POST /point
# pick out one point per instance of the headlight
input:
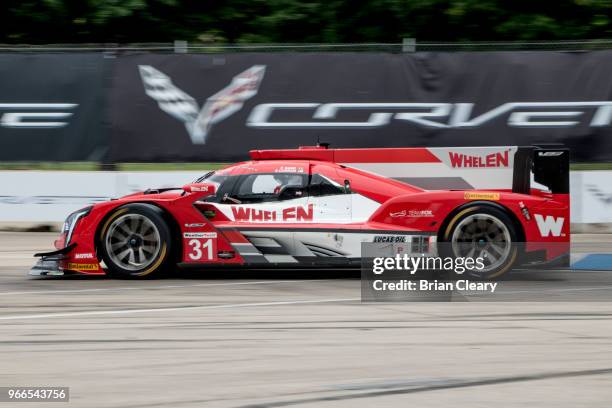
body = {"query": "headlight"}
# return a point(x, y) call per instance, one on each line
point(71, 222)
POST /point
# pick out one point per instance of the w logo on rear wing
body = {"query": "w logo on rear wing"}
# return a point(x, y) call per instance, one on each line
point(183, 107)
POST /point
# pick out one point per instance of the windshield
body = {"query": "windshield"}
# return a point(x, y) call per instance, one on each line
point(217, 179)
point(204, 177)
point(211, 177)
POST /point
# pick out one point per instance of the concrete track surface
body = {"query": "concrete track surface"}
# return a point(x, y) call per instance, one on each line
point(293, 340)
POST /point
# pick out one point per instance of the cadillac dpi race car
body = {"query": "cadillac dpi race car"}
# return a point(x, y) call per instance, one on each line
point(314, 207)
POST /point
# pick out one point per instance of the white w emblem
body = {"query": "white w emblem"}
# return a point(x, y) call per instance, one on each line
point(549, 225)
point(182, 106)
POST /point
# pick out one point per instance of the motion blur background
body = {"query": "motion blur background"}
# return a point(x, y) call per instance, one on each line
point(100, 98)
point(103, 98)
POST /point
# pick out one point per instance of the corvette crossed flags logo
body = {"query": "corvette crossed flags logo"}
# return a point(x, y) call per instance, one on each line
point(184, 107)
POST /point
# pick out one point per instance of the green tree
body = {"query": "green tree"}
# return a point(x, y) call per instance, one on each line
point(263, 21)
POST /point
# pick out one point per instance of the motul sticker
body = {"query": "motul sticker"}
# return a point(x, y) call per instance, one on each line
point(199, 235)
point(468, 195)
point(84, 256)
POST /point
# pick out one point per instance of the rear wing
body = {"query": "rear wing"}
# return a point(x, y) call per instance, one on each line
point(541, 166)
point(450, 168)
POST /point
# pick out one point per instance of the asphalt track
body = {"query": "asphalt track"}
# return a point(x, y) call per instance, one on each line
point(296, 339)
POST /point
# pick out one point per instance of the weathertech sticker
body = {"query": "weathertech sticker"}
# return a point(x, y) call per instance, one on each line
point(480, 196)
point(199, 235)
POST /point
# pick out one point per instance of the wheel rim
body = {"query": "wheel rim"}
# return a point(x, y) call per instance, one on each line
point(482, 236)
point(133, 242)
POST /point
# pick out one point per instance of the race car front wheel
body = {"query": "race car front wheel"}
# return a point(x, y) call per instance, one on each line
point(483, 232)
point(135, 241)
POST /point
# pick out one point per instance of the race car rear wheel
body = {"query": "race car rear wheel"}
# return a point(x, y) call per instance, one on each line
point(486, 232)
point(135, 241)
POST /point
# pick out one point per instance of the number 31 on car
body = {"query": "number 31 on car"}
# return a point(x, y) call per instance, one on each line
point(200, 246)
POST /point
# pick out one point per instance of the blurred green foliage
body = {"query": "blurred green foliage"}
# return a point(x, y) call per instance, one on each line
point(300, 21)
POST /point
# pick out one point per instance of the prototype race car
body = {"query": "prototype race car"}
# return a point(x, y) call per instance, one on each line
point(314, 207)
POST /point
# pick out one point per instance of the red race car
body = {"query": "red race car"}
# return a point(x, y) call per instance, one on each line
point(314, 207)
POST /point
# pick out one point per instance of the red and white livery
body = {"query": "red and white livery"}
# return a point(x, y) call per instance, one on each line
point(315, 206)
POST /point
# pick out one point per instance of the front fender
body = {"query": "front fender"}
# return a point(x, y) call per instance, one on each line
point(187, 219)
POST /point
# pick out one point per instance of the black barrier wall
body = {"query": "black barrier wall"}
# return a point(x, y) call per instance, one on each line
point(216, 107)
point(53, 107)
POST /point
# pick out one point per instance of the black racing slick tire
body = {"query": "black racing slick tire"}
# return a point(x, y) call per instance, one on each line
point(486, 232)
point(135, 241)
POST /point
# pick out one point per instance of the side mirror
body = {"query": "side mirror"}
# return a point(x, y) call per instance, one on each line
point(347, 186)
point(200, 188)
point(289, 192)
